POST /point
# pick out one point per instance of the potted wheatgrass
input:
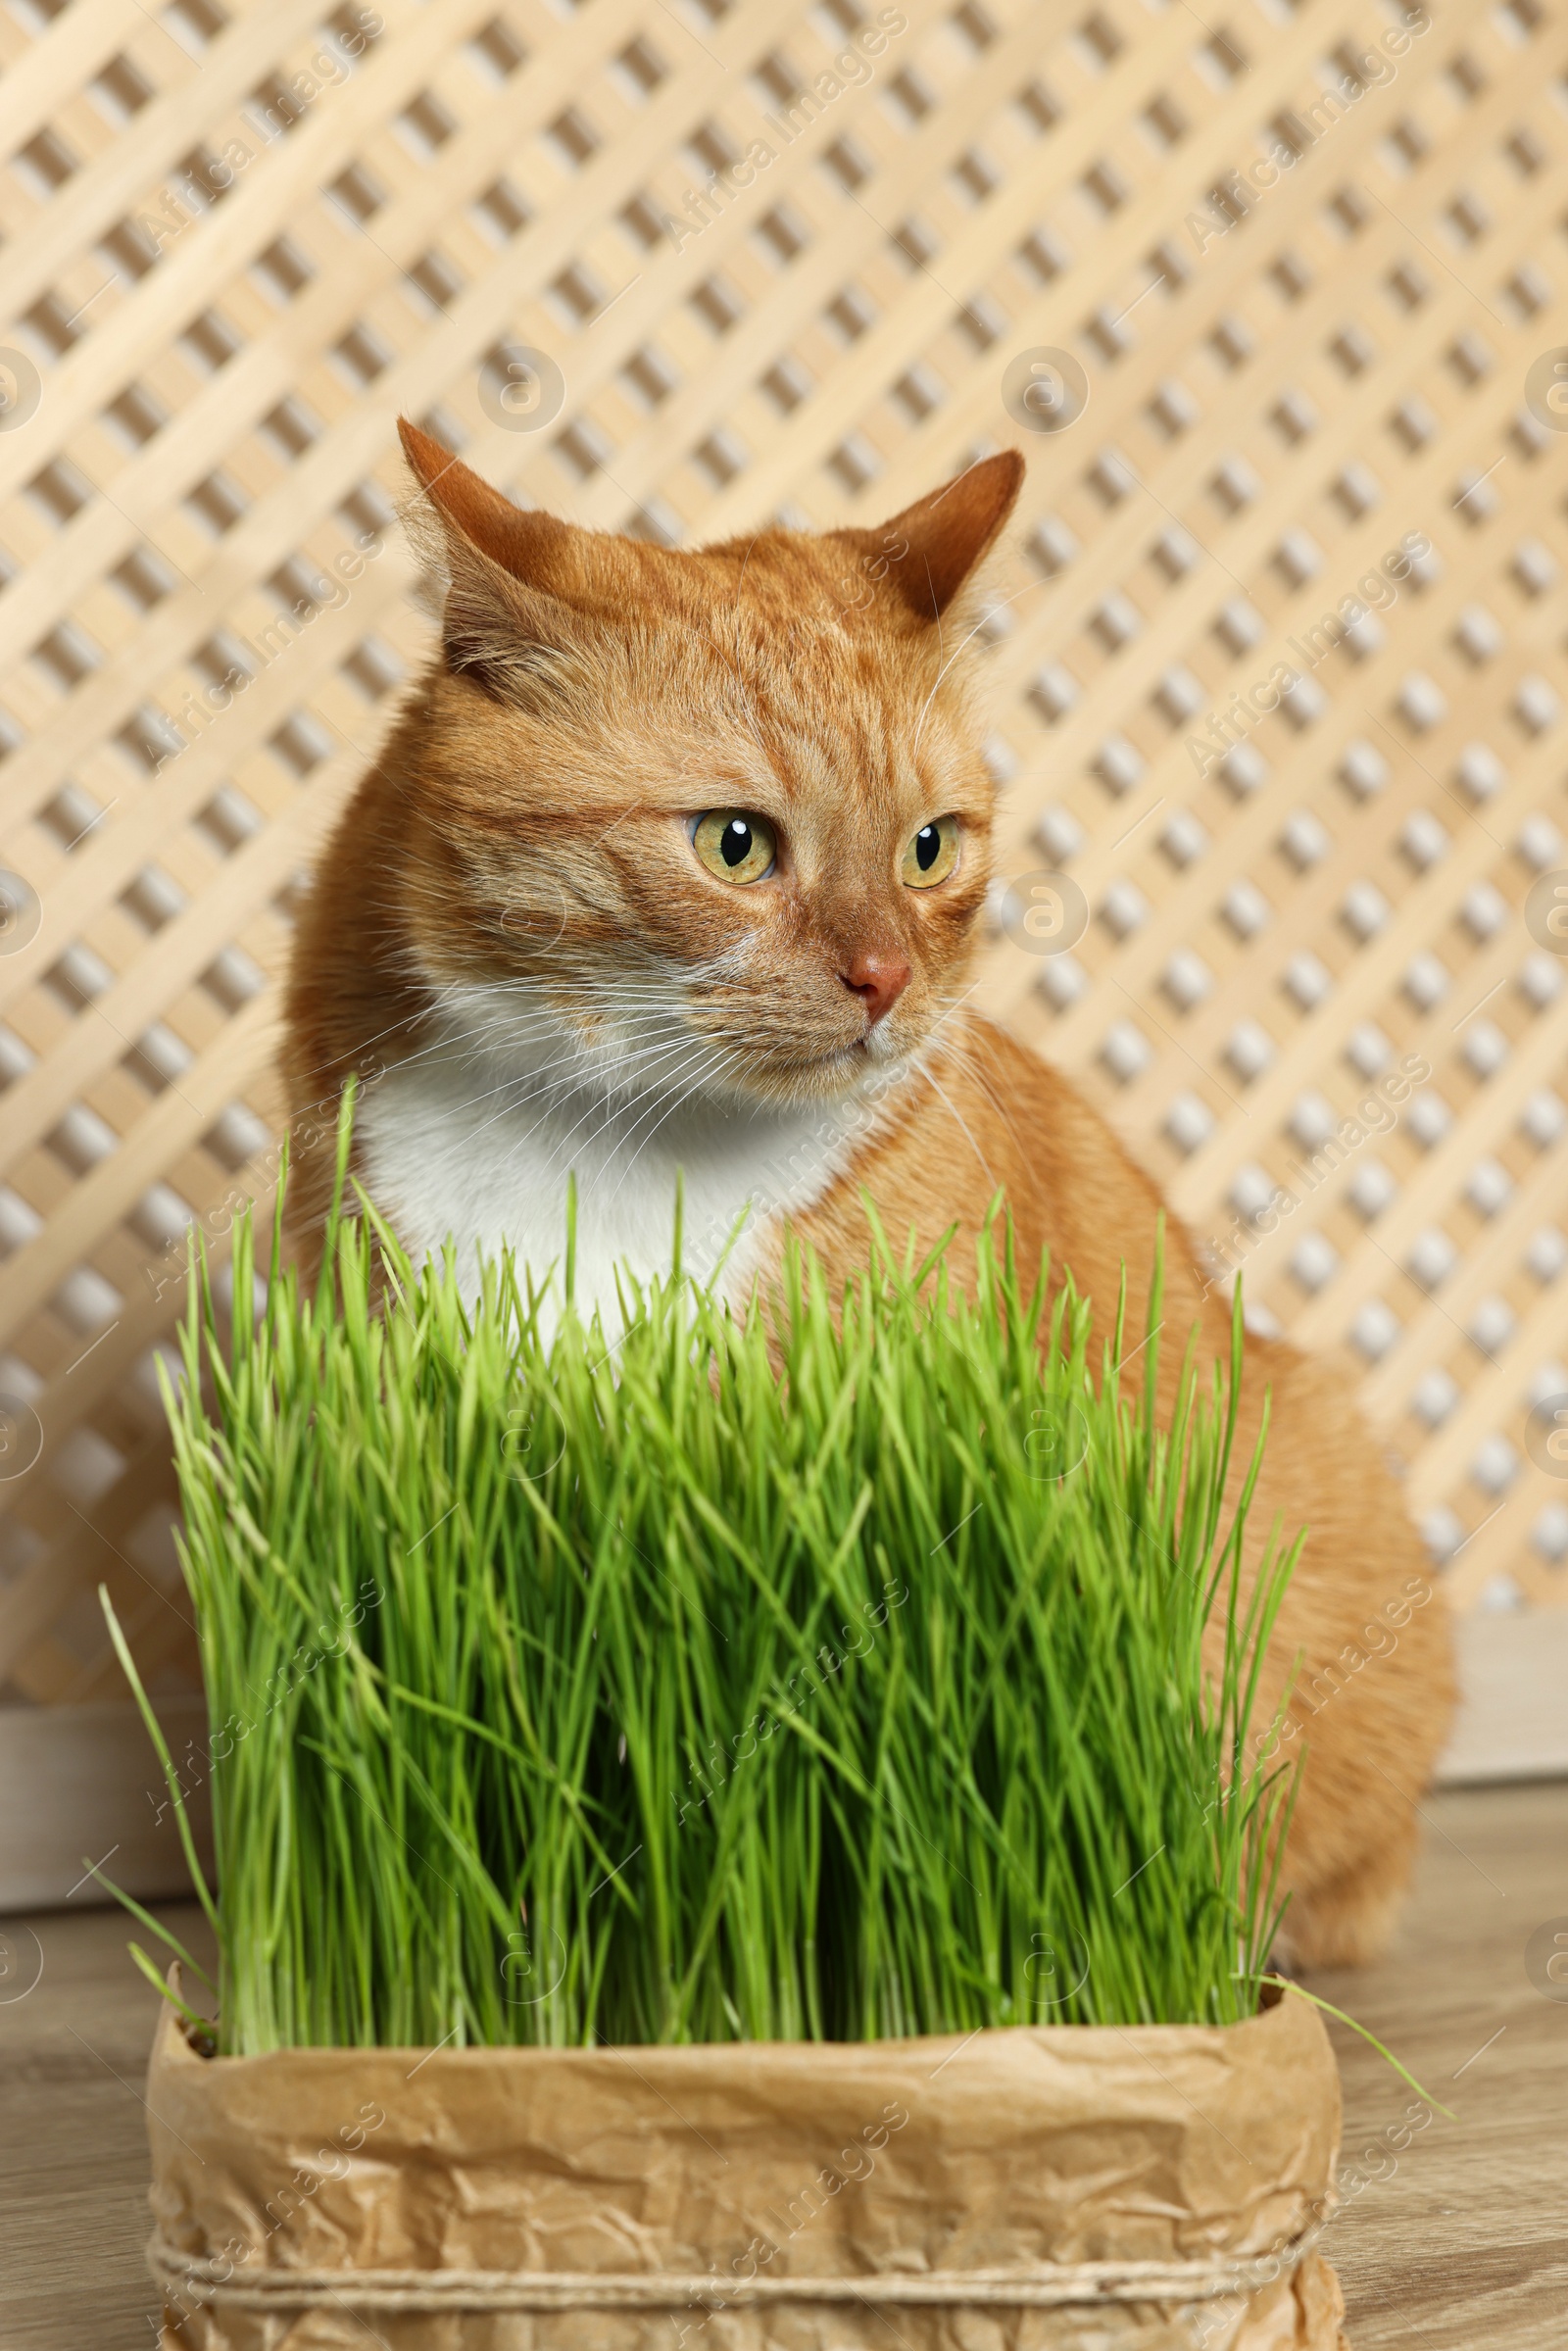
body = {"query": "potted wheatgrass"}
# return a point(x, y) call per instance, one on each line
point(725, 1836)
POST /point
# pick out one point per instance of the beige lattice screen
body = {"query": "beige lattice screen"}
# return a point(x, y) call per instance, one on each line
point(238, 239)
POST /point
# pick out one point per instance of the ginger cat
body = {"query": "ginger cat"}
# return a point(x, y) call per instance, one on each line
point(673, 863)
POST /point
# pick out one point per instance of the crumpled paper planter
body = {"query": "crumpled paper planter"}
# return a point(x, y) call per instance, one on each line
point(1066, 2189)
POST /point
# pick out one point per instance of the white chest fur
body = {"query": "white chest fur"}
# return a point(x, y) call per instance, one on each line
point(460, 1145)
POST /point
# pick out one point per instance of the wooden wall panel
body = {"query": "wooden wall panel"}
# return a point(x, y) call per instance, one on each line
point(215, 298)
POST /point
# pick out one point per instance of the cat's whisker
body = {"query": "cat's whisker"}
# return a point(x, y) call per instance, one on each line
point(726, 1062)
point(574, 1139)
point(392, 1029)
point(563, 1089)
point(474, 1049)
point(959, 1121)
point(708, 1056)
point(663, 1061)
point(960, 1051)
point(999, 605)
point(458, 1049)
point(598, 1101)
point(967, 1065)
point(673, 1097)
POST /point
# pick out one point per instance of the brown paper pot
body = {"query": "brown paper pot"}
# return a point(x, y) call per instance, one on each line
point(1077, 2186)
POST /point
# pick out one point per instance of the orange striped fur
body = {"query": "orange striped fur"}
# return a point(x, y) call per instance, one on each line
point(514, 933)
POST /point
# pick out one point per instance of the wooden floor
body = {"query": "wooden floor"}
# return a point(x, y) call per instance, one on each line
point(1457, 2241)
point(1464, 2245)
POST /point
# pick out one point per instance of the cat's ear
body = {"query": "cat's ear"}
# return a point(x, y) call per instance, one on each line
point(925, 554)
point(493, 572)
point(530, 545)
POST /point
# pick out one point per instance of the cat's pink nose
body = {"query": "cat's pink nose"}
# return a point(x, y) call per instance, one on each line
point(878, 981)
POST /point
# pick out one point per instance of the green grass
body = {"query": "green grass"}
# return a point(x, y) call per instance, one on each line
point(831, 1681)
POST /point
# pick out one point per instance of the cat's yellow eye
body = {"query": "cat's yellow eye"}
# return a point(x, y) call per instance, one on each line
point(736, 845)
point(932, 853)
